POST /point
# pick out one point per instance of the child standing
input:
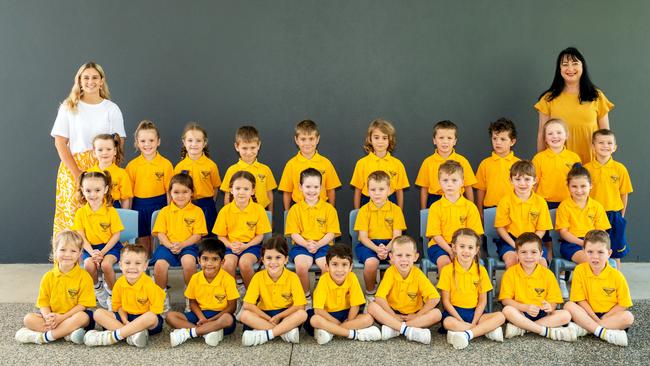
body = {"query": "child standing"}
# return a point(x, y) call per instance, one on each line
point(450, 213)
point(521, 211)
point(380, 143)
point(150, 174)
point(445, 136)
point(611, 187)
point(204, 172)
point(313, 224)
point(406, 300)
point(65, 293)
point(179, 226)
point(600, 296)
point(378, 223)
point(108, 151)
point(464, 287)
point(247, 144)
point(241, 226)
point(274, 304)
point(493, 174)
point(530, 294)
point(338, 299)
point(213, 296)
point(307, 138)
point(137, 305)
point(99, 225)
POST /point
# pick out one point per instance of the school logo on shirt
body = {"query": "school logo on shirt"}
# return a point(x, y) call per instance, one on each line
point(539, 291)
point(476, 283)
point(261, 177)
point(72, 293)
point(389, 221)
point(614, 178)
point(105, 226)
point(534, 215)
point(608, 291)
point(412, 295)
point(321, 221)
point(251, 225)
point(392, 173)
point(463, 220)
point(141, 300)
point(569, 165)
point(322, 172)
point(205, 174)
point(591, 216)
point(287, 296)
point(220, 297)
point(159, 176)
point(189, 221)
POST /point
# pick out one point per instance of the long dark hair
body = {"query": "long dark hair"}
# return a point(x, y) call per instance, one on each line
point(588, 91)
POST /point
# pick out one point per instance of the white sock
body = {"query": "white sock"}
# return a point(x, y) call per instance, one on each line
point(193, 333)
point(600, 332)
point(403, 329)
point(269, 334)
point(117, 335)
point(544, 332)
point(469, 335)
point(352, 334)
point(48, 336)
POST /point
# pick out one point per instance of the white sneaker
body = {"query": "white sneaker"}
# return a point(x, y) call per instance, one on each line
point(102, 296)
point(109, 297)
point(457, 339)
point(564, 290)
point(578, 330)
point(241, 289)
point(310, 302)
point(187, 305)
point(371, 333)
point(76, 337)
point(213, 338)
point(322, 336)
point(239, 309)
point(26, 335)
point(94, 338)
point(617, 337)
point(138, 339)
point(388, 332)
point(292, 336)
point(418, 335)
point(514, 331)
point(253, 338)
point(166, 306)
point(495, 335)
point(179, 336)
point(566, 334)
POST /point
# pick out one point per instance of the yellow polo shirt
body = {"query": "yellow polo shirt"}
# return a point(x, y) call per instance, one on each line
point(150, 178)
point(406, 295)
point(380, 222)
point(144, 295)
point(290, 180)
point(372, 163)
point(603, 291)
point(204, 173)
point(264, 180)
point(274, 295)
point(180, 223)
point(493, 177)
point(62, 291)
point(331, 297)
point(578, 220)
point(533, 289)
point(212, 295)
point(464, 286)
point(446, 217)
point(519, 216)
point(98, 226)
point(241, 225)
point(312, 222)
point(428, 174)
point(609, 181)
point(551, 170)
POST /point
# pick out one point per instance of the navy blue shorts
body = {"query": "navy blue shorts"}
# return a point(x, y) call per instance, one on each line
point(364, 253)
point(434, 252)
point(297, 250)
point(433, 198)
point(256, 250)
point(599, 315)
point(192, 318)
point(467, 314)
point(539, 316)
point(341, 316)
point(365, 199)
point(115, 251)
point(617, 234)
point(209, 209)
point(267, 312)
point(503, 248)
point(174, 260)
point(132, 317)
point(567, 250)
point(117, 204)
point(146, 207)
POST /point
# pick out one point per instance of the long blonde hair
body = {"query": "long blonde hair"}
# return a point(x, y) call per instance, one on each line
point(76, 93)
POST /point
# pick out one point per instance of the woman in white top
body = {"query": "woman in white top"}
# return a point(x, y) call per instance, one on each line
point(84, 114)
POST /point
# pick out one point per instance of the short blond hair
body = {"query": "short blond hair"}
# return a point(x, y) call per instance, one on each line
point(451, 167)
point(598, 236)
point(66, 237)
point(306, 127)
point(247, 134)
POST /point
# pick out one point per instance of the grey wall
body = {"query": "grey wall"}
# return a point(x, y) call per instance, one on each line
point(341, 63)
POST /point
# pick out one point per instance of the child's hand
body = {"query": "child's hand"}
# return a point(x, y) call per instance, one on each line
point(49, 320)
point(237, 247)
point(54, 320)
point(175, 248)
point(409, 317)
point(546, 306)
point(312, 247)
point(399, 317)
point(202, 321)
point(532, 310)
point(275, 319)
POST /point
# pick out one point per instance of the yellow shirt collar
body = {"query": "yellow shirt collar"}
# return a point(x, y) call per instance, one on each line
point(522, 273)
point(243, 164)
point(303, 159)
point(73, 272)
point(439, 158)
point(385, 207)
point(374, 157)
point(460, 270)
point(304, 205)
point(204, 281)
point(284, 278)
point(508, 157)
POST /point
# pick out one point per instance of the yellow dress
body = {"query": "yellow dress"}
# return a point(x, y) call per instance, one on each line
point(66, 186)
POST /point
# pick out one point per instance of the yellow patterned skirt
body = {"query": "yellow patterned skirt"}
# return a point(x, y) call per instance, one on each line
point(66, 187)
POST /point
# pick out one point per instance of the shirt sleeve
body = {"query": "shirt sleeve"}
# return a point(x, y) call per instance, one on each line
point(286, 184)
point(402, 178)
point(126, 188)
point(623, 292)
point(78, 220)
point(86, 291)
point(160, 226)
point(221, 225)
point(292, 226)
point(358, 179)
point(361, 223)
point(553, 293)
point(200, 226)
point(271, 184)
point(357, 297)
point(225, 184)
point(427, 289)
point(434, 226)
point(297, 291)
point(486, 284)
point(320, 294)
point(399, 223)
point(577, 286)
point(190, 290)
point(333, 221)
point(444, 283)
point(263, 224)
point(116, 223)
point(502, 217)
point(44, 291)
point(544, 221)
point(386, 284)
point(168, 173)
point(253, 291)
point(333, 180)
point(116, 299)
point(562, 217)
point(215, 179)
point(481, 178)
point(543, 105)
point(468, 173)
point(61, 123)
point(625, 185)
point(601, 222)
point(474, 219)
point(603, 104)
point(156, 298)
point(422, 178)
point(116, 120)
point(507, 290)
point(231, 288)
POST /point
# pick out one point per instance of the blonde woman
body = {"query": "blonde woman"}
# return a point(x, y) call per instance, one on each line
point(84, 114)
